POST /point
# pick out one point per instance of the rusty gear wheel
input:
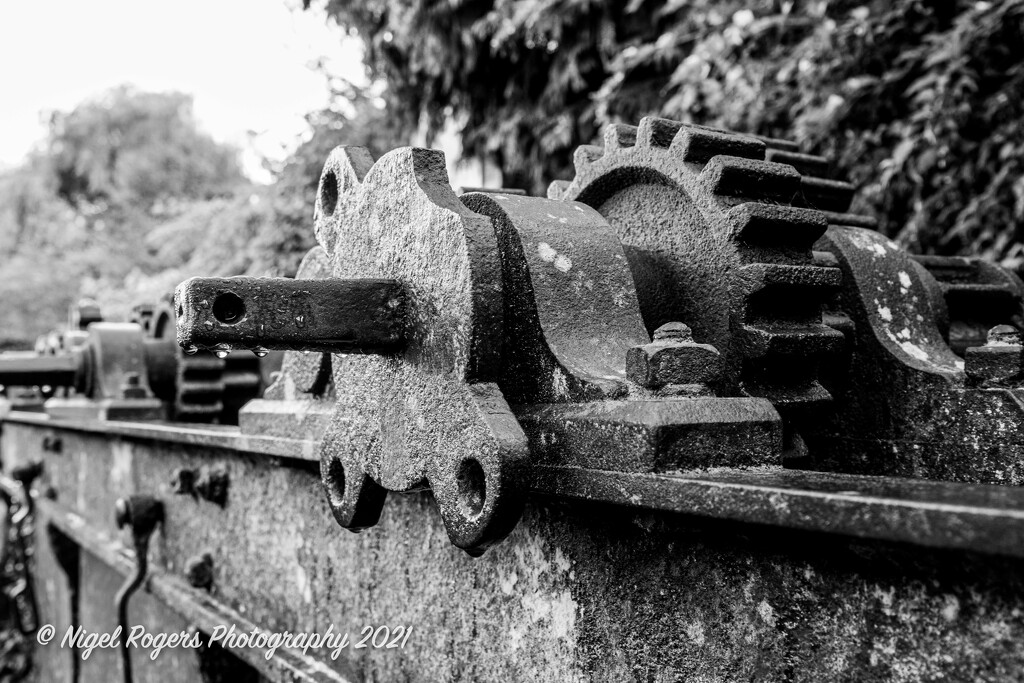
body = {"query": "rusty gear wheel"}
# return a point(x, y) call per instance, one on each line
point(715, 237)
point(197, 391)
point(199, 387)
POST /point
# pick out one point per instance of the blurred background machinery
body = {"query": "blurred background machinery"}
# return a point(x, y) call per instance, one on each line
point(131, 370)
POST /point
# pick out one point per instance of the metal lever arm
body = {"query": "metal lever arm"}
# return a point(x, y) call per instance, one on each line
point(142, 514)
point(333, 315)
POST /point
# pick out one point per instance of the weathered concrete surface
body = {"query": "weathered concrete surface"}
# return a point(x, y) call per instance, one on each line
point(577, 592)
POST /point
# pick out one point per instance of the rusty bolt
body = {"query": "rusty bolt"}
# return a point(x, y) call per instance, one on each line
point(673, 358)
point(1000, 362)
point(199, 571)
point(212, 485)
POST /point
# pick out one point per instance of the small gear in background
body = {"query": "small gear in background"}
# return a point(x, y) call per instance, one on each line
point(198, 387)
point(720, 238)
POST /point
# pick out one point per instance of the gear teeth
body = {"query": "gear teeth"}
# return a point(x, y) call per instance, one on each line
point(557, 188)
point(826, 195)
point(811, 282)
point(964, 294)
point(702, 144)
point(586, 155)
point(202, 364)
point(619, 136)
point(806, 164)
point(775, 331)
point(208, 411)
point(764, 224)
point(192, 388)
point(200, 393)
point(751, 179)
point(655, 132)
point(778, 143)
point(696, 144)
point(851, 220)
point(246, 382)
point(757, 340)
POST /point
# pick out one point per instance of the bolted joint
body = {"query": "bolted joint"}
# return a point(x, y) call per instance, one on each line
point(332, 315)
point(673, 358)
point(1000, 362)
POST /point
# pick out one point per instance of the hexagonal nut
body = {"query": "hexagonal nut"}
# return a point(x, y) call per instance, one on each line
point(660, 363)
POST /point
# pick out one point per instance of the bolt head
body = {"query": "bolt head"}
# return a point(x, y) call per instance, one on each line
point(661, 362)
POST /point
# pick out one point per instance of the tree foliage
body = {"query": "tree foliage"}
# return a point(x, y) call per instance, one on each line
point(74, 218)
point(356, 117)
point(919, 102)
point(128, 197)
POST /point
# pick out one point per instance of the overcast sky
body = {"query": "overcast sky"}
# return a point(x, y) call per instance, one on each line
point(245, 61)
